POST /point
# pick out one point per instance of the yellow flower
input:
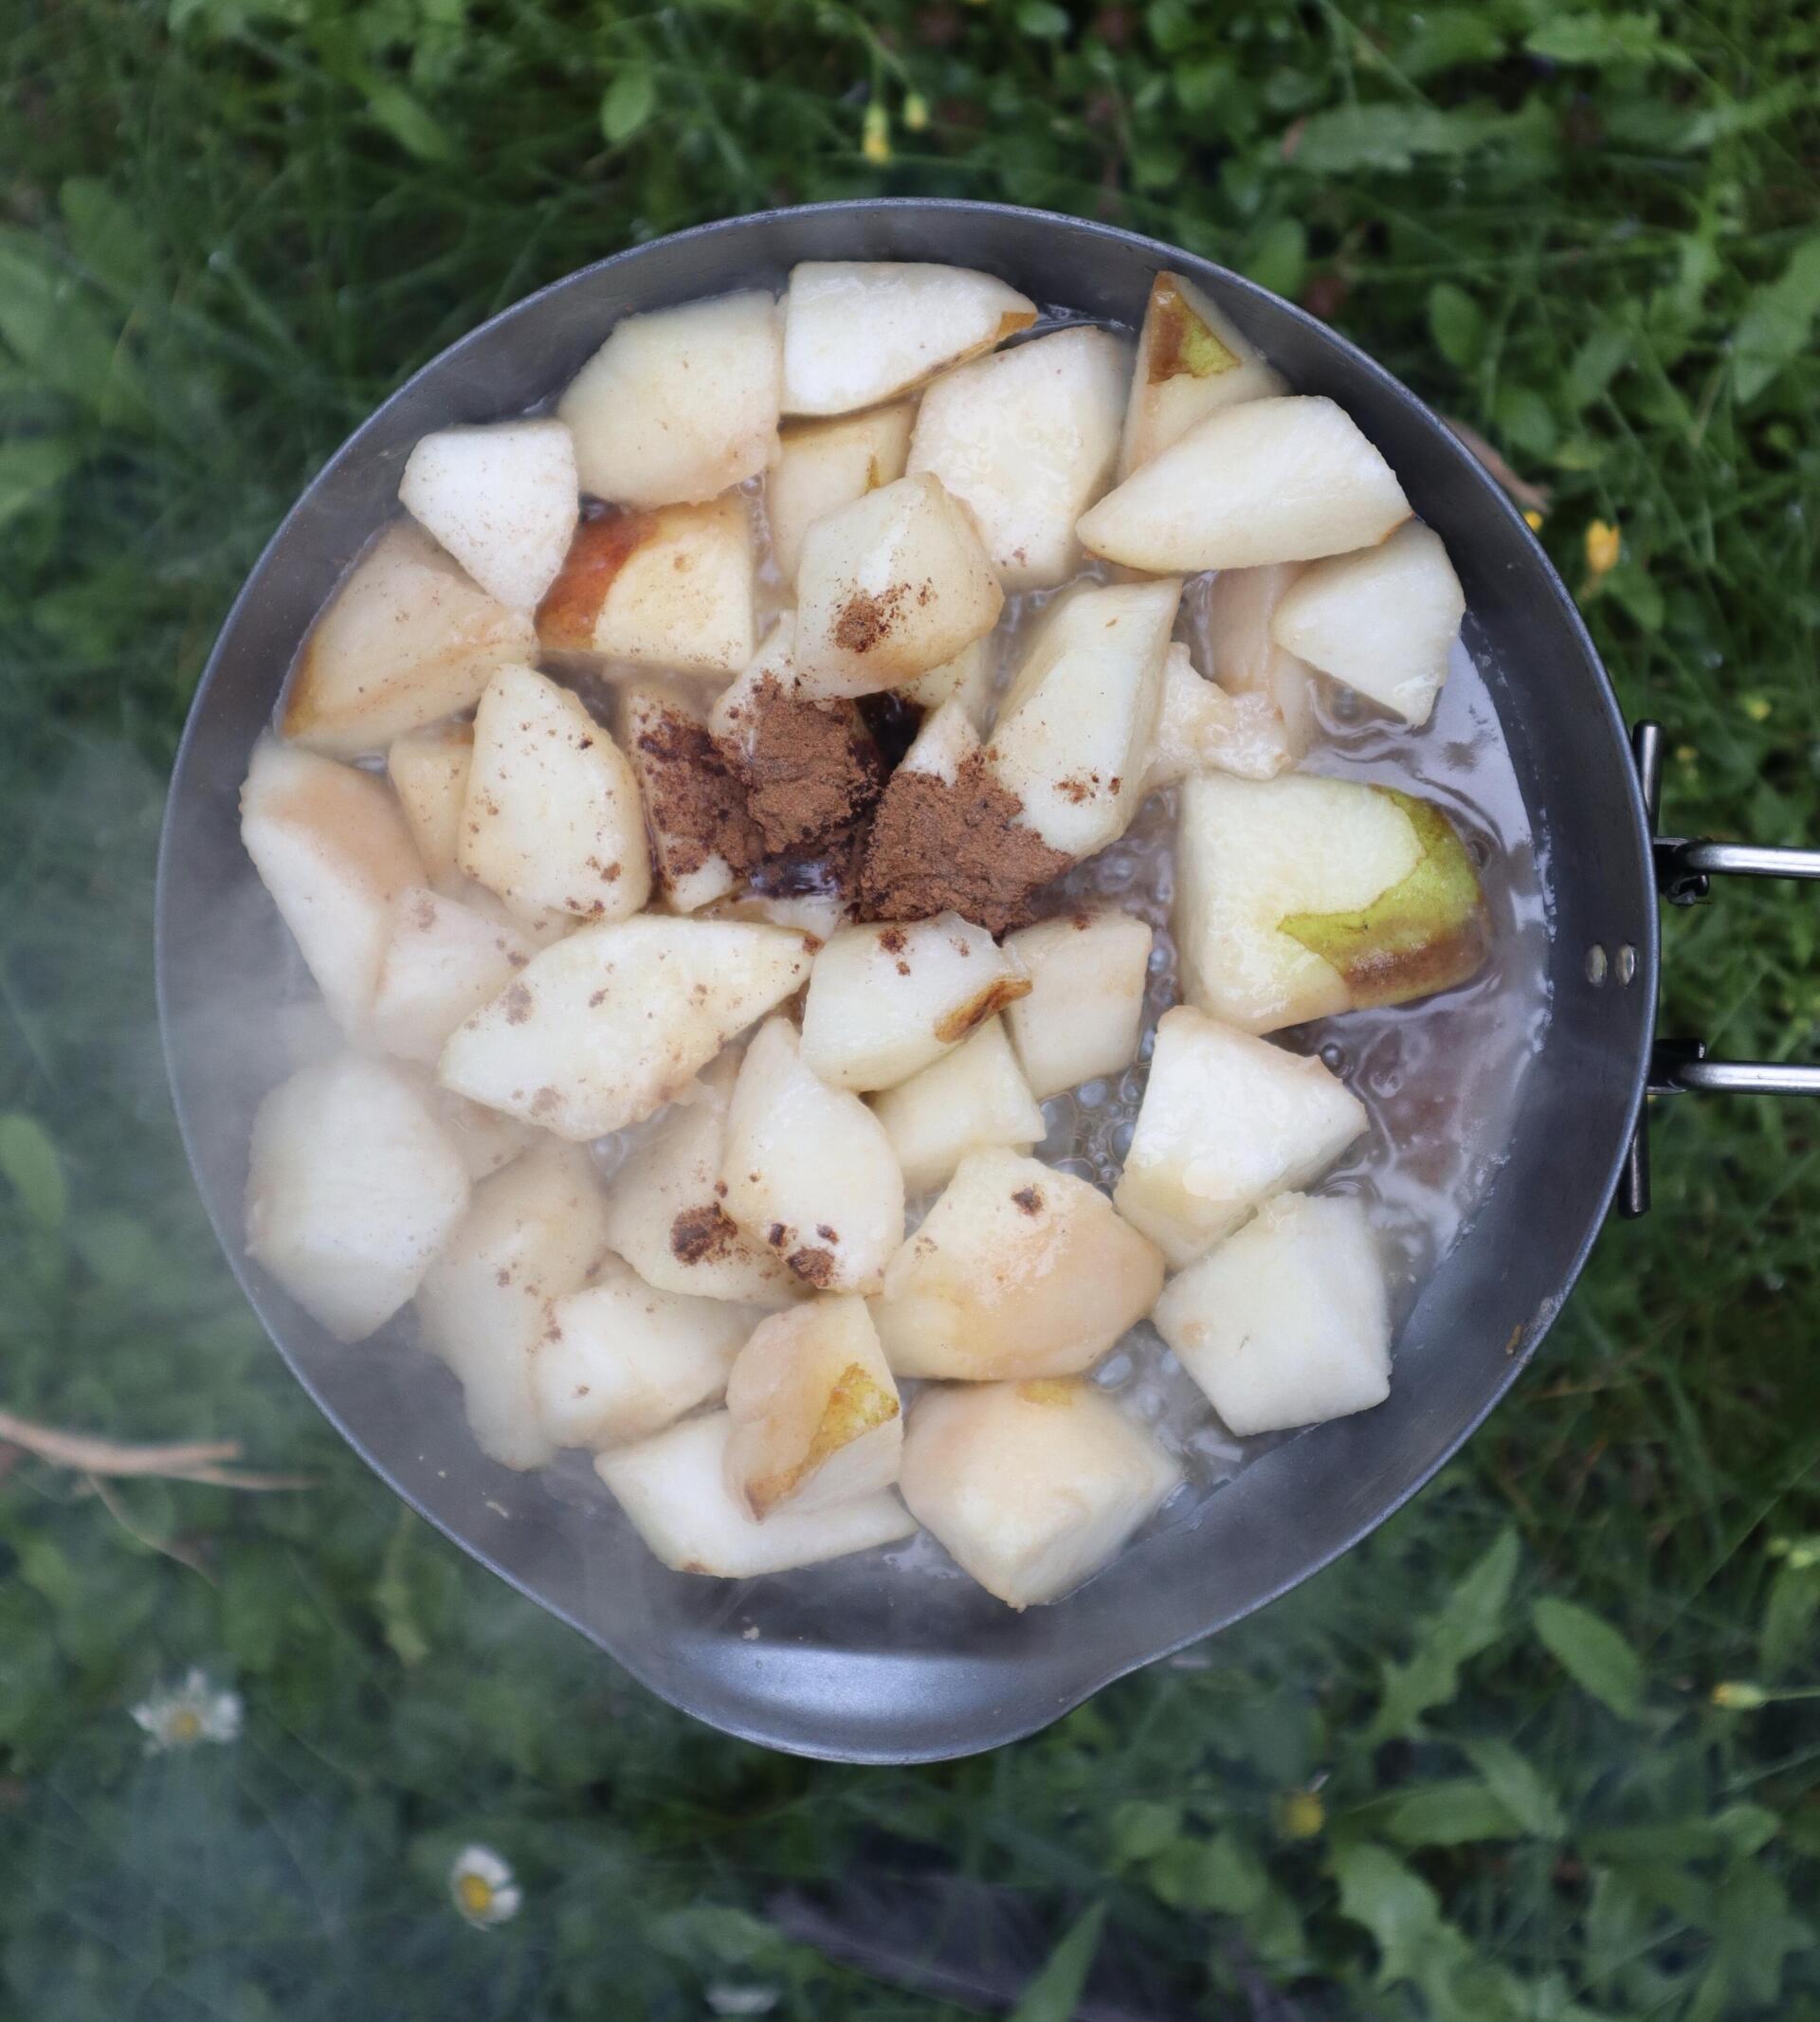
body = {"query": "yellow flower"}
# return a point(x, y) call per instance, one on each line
point(1533, 520)
point(1686, 754)
point(1603, 544)
point(1757, 709)
point(1301, 1814)
point(916, 112)
point(1739, 1696)
point(875, 135)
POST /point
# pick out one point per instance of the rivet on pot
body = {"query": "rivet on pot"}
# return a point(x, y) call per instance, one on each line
point(1595, 965)
point(1626, 963)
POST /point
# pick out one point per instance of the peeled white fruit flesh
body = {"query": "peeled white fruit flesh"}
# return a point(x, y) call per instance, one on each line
point(353, 1188)
point(674, 1490)
point(334, 851)
point(825, 465)
point(672, 588)
point(429, 773)
point(975, 1097)
point(501, 500)
point(1289, 1322)
point(605, 1028)
point(809, 1171)
point(1301, 897)
point(1247, 662)
point(967, 679)
point(407, 639)
point(680, 404)
point(1032, 1486)
point(539, 927)
point(816, 916)
point(483, 1140)
point(618, 1359)
point(1266, 480)
point(667, 743)
point(1227, 1122)
point(442, 963)
point(943, 744)
point(1190, 359)
point(1383, 620)
point(533, 1233)
point(1201, 728)
point(667, 1215)
point(816, 1419)
point(1080, 1023)
point(1026, 441)
point(860, 332)
point(885, 1001)
point(732, 716)
point(1018, 1270)
point(1072, 736)
point(552, 817)
point(889, 587)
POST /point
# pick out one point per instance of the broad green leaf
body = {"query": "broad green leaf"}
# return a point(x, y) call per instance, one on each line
point(1055, 1993)
point(1398, 1908)
point(30, 469)
point(1738, 1830)
point(1604, 353)
point(1520, 1786)
point(1444, 37)
point(1457, 324)
point(28, 1161)
point(1732, 117)
point(1043, 20)
point(1527, 421)
point(1278, 258)
point(1601, 39)
point(1141, 1829)
point(54, 328)
point(410, 123)
point(717, 1934)
point(628, 102)
point(1592, 1653)
point(1472, 1617)
point(1391, 137)
point(106, 236)
point(1450, 1814)
point(1773, 331)
point(1789, 1617)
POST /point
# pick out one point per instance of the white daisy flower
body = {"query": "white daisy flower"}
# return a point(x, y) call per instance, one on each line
point(184, 1716)
point(483, 1886)
point(727, 2000)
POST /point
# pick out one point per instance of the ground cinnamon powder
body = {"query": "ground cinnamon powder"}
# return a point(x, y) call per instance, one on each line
point(698, 808)
point(809, 768)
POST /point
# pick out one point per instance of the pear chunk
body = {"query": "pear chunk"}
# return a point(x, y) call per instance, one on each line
point(334, 851)
point(552, 817)
point(605, 1028)
point(701, 835)
point(1266, 480)
point(1032, 1486)
point(1201, 728)
point(1247, 660)
point(1297, 898)
point(532, 1233)
point(885, 1001)
point(501, 500)
point(1383, 620)
point(975, 1097)
point(1288, 1322)
point(816, 1419)
point(859, 332)
point(967, 679)
point(407, 639)
point(1018, 1270)
point(1026, 441)
point(619, 1360)
point(822, 465)
point(1073, 732)
point(889, 587)
point(672, 588)
point(809, 1171)
point(944, 741)
point(1080, 1021)
point(483, 1140)
point(680, 404)
point(1190, 359)
point(442, 963)
point(353, 1187)
point(666, 1213)
point(1227, 1122)
point(429, 773)
point(674, 1490)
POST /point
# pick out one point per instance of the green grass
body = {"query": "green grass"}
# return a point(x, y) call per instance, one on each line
point(229, 227)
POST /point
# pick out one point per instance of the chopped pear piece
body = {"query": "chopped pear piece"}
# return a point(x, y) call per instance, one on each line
point(1268, 480)
point(944, 741)
point(429, 773)
point(353, 1190)
point(1026, 441)
point(701, 835)
point(1073, 732)
point(817, 914)
point(1383, 620)
point(442, 963)
point(666, 1213)
point(1190, 359)
point(674, 1489)
point(809, 1171)
point(859, 332)
point(334, 851)
point(1243, 658)
point(679, 403)
point(619, 1360)
point(1032, 1486)
point(825, 465)
point(1297, 898)
point(967, 679)
point(552, 817)
point(1227, 1122)
point(1288, 1322)
point(1201, 728)
point(533, 1233)
point(673, 588)
point(483, 1140)
point(975, 1097)
point(816, 1419)
point(501, 500)
point(539, 926)
point(407, 639)
point(885, 1001)
point(1018, 1270)
point(1080, 1021)
point(889, 587)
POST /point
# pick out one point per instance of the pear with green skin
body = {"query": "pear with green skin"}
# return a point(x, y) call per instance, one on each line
point(1190, 359)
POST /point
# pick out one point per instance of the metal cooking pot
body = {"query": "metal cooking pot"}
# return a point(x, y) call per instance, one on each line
point(889, 1671)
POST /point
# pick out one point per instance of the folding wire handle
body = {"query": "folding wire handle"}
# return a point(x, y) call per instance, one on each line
point(1685, 872)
